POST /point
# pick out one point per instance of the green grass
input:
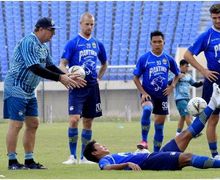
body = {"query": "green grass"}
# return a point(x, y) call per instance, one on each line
point(51, 149)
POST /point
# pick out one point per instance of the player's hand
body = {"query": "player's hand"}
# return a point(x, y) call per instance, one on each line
point(68, 82)
point(77, 78)
point(145, 97)
point(210, 75)
point(168, 90)
point(134, 166)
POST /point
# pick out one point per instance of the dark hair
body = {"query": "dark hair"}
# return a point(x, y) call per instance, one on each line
point(214, 9)
point(88, 151)
point(156, 33)
point(183, 62)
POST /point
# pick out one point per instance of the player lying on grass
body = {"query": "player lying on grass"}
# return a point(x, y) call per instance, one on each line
point(171, 156)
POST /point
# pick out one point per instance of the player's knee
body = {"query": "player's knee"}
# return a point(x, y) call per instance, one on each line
point(33, 125)
point(147, 109)
point(73, 121)
point(185, 159)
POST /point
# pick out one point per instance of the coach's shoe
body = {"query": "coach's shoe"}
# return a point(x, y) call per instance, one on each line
point(71, 160)
point(85, 161)
point(15, 165)
point(31, 164)
point(142, 145)
point(215, 99)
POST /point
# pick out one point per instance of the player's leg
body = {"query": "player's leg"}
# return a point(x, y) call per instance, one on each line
point(158, 127)
point(180, 125)
point(181, 142)
point(182, 109)
point(14, 111)
point(145, 124)
point(202, 162)
point(211, 134)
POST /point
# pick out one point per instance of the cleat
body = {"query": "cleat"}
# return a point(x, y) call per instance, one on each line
point(71, 160)
point(17, 166)
point(217, 157)
point(143, 151)
point(85, 161)
point(216, 95)
point(142, 145)
point(198, 135)
point(31, 164)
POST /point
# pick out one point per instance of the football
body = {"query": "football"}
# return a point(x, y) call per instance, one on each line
point(78, 70)
point(196, 105)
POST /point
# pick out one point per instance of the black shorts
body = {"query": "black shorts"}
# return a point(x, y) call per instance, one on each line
point(85, 101)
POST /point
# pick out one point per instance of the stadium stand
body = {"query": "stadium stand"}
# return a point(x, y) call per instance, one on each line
point(123, 27)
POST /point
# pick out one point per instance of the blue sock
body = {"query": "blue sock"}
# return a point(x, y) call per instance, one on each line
point(73, 138)
point(170, 146)
point(213, 148)
point(145, 122)
point(199, 123)
point(85, 137)
point(28, 155)
point(203, 162)
point(12, 156)
point(158, 136)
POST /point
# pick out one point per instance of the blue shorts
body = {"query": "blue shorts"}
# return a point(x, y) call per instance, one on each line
point(182, 106)
point(207, 93)
point(162, 161)
point(160, 106)
point(85, 101)
point(17, 108)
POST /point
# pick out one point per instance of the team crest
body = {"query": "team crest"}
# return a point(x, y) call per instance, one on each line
point(164, 61)
point(94, 45)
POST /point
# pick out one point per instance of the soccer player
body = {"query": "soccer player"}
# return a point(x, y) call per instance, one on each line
point(182, 95)
point(31, 62)
point(154, 67)
point(171, 156)
point(209, 43)
point(84, 50)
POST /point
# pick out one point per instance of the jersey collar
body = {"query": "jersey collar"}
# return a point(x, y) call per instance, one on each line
point(156, 55)
point(84, 37)
point(213, 27)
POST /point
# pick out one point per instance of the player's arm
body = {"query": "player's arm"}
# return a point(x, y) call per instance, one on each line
point(122, 166)
point(63, 64)
point(197, 84)
point(102, 70)
point(144, 95)
point(210, 75)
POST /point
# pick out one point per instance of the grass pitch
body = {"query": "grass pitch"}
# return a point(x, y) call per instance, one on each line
point(119, 136)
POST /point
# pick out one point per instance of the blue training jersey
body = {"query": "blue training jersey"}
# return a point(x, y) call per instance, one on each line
point(209, 42)
point(119, 158)
point(182, 89)
point(85, 52)
point(20, 81)
point(154, 70)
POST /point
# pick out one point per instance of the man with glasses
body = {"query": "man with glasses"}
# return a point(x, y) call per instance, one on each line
point(31, 61)
point(209, 43)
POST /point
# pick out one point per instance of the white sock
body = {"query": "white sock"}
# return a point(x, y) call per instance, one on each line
point(212, 104)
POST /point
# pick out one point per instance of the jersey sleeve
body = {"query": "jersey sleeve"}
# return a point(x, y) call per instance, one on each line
point(138, 71)
point(29, 51)
point(200, 44)
point(102, 53)
point(173, 67)
point(191, 82)
point(103, 162)
point(68, 50)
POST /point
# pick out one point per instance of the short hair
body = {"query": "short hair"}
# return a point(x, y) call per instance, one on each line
point(183, 62)
point(88, 14)
point(214, 9)
point(156, 33)
point(88, 152)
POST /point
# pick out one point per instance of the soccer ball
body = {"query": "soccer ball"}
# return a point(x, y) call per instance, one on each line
point(78, 70)
point(196, 105)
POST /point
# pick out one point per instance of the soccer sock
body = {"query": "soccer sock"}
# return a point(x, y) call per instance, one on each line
point(203, 162)
point(12, 156)
point(28, 155)
point(145, 122)
point(199, 123)
point(73, 138)
point(179, 130)
point(213, 148)
point(158, 136)
point(170, 146)
point(85, 137)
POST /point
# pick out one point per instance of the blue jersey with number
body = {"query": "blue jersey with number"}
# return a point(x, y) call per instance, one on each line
point(20, 81)
point(209, 42)
point(154, 70)
point(85, 52)
point(119, 158)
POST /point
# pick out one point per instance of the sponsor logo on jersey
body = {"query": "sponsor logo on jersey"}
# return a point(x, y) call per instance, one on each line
point(164, 61)
point(94, 45)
